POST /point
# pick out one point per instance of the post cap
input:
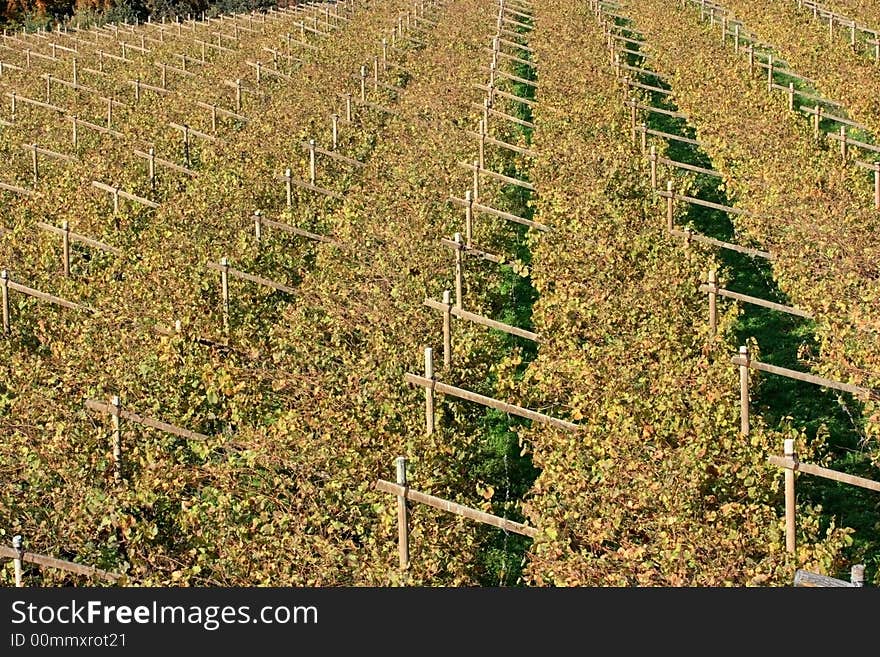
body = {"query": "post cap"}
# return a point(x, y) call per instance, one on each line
point(17, 541)
point(788, 446)
point(114, 400)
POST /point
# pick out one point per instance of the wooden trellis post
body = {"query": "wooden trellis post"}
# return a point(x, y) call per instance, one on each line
point(75, 134)
point(258, 226)
point(429, 391)
point(186, 145)
point(877, 185)
point(751, 60)
point(363, 83)
point(790, 506)
point(65, 246)
point(224, 291)
point(670, 206)
point(17, 545)
point(817, 122)
point(843, 145)
point(402, 520)
point(652, 157)
point(313, 173)
point(116, 438)
point(36, 165)
point(459, 258)
point(791, 96)
point(237, 94)
point(468, 218)
point(384, 54)
point(447, 329)
point(713, 308)
point(288, 180)
point(482, 138)
point(334, 118)
point(744, 391)
point(348, 108)
point(4, 290)
point(476, 180)
point(151, 166)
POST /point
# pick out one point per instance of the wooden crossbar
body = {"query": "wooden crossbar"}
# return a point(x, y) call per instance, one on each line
point(52, 562)
point(454, 508)
point(480, 319)
point(259, 280)
point(512, 409)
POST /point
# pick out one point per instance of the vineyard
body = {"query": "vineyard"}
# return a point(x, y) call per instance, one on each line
point(443, 293)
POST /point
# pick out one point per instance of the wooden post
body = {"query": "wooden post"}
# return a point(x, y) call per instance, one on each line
point(375, 74)
point(877, 185)
point(224, 291)
point(238, 95)
point(109, 111)
point(468, 218)
point(459, 257)
point(258, 226)
point(348, 107)
point(713, 309)
point(670, 207)
point(429, 390)
point(65, 247)
point(402, 520)
point(137, 90)
point(476, 179)
point(736, 39)
point(482, 139)
point(259, 76)
point(751, 60)
point(289, 183)
point(151, 167)
point(723, 30)
point(830, 28)
point(817, 122)
point(447, 329)
point(116, 201)
point(744, 392)
point(363, 83)
point(384, 55)
point(164, 76)
point(186, 145)
point(313, 173)
point(75, 73)
point(35, 163)
point(4, 292)
point(791, 96)
point(117, 438)
point(790, 506)
point(48, 88)
point(632, 118)
point(653, 159)
point(12, 117)
point(334, 118)
point(75, 135)
point(769, 73)
point(213, 119)
point(17, 545)
point(857, 575)
point(843, 144)
point(643, 129)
